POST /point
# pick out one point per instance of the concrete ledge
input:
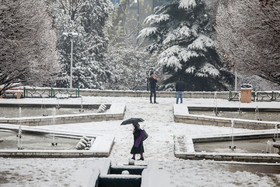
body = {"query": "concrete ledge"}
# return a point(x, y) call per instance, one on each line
point(116, 112)
point(237, 136)
point(101, 147)
point(48, 154)
point(271, 158)
point(184, 148)
point(181, 115)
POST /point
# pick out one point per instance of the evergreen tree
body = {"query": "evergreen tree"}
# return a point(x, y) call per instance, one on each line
point(180, 32)
point(88, 19)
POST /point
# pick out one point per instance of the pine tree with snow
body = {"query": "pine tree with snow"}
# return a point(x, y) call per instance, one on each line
point(87, 18)
point(180, 32)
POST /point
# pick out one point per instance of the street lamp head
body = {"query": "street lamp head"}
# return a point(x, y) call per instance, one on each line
point(74, 34)
point(70, 34)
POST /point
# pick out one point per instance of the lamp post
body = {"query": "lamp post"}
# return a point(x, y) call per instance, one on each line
point(71, 35)
point(235, 79)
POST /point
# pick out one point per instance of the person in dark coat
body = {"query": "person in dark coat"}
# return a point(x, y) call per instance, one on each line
point(180, 87)
point(153, 84)
point(137, 147)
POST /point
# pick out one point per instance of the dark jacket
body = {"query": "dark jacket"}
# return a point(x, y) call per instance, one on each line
point(180, 86)
point(153, 83)
point(140, 148)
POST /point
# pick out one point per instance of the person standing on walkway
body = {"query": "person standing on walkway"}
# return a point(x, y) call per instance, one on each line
point(180, 87)
point(153, 84)
point(137, 147)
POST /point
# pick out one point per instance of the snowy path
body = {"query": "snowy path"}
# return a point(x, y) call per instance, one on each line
point(159, 147)
point(158, 118)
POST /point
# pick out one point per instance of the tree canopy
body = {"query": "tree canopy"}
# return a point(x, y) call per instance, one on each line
point(28, 44)
point(248, 36)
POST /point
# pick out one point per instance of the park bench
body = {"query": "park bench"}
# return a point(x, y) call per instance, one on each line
point(257, 96)
point(267, 95)
point(277, 145)
point(16, 91)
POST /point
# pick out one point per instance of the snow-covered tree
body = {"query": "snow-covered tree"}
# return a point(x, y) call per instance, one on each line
point(88, 19)
point(180, 32)
point(28, 44)
point(129, 67)
point(129, 63)
point(248, 36)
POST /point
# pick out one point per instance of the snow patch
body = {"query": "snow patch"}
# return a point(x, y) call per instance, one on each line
point(190, 69)
point(187, 4)
point(156, 18)
point(170, 37)
point(201, 43)
point(169, 57)
point(187, 54)
point(147, 32)
point(210, 69)
point(181, 32)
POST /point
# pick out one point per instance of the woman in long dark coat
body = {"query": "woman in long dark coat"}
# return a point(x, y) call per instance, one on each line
point(137, 147)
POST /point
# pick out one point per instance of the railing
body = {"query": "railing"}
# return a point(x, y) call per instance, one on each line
point(51, 92)
point(40, 92)
point(268, 96)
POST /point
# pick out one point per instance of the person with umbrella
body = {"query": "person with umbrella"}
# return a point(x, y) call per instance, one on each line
point(137, 147)
point(139, 136)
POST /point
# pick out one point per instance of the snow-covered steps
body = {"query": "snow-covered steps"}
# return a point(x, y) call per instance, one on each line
point(137, 174)
point(121, 175)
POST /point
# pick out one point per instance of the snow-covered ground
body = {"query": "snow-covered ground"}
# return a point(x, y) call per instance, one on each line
point(159, 147)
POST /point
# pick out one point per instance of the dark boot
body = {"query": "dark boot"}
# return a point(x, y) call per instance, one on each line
point(142, 158)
